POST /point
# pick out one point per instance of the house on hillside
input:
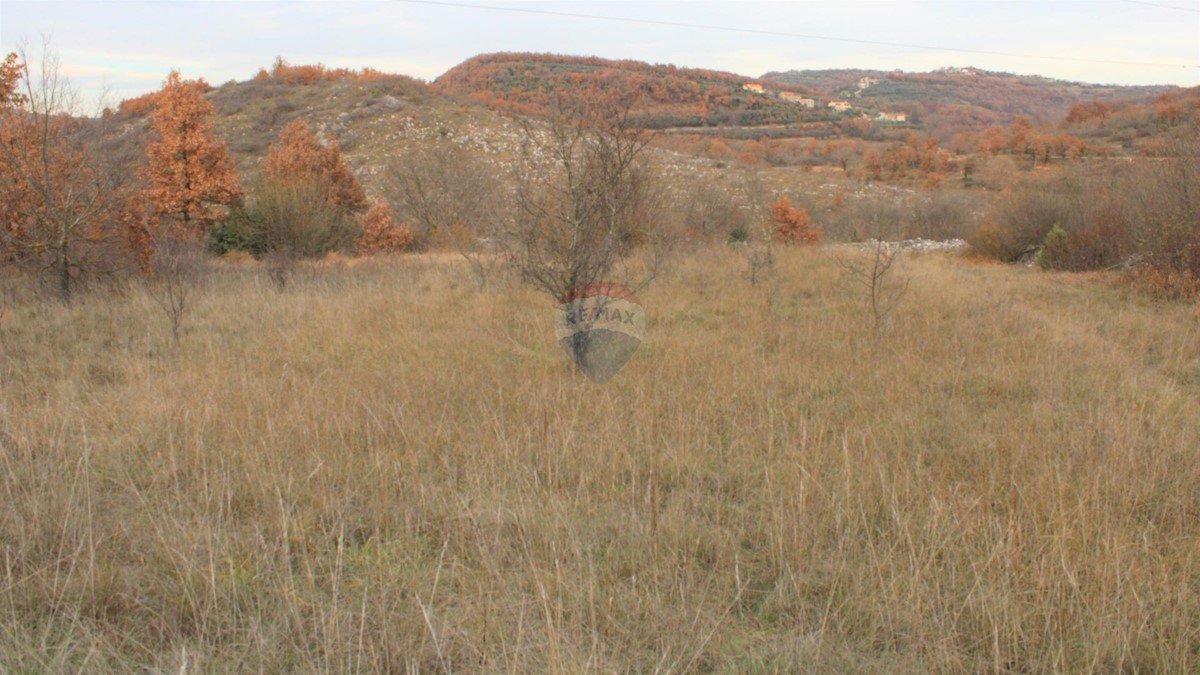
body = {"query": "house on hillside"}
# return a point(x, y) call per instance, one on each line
point(839, 106)
point(867, 82)
point(891, 117)
point(793, 97)
point(756, 88)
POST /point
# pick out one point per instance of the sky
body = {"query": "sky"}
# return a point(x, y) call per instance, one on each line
point(115, 49)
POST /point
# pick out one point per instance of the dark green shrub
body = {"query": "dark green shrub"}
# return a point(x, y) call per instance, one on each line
point(740, 234)
point(1056, 250)
point(241, 231)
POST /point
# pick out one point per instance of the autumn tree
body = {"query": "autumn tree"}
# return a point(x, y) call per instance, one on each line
point(190, 173)
point(59, 208)
point(300, 153)
point(10, 77)
point(792, 225)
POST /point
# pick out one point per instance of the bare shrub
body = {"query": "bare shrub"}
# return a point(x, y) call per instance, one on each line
point(942, 215)
point(708, 212)
point(450, 194)
point(178, 265)
point(876, 276)
point(759, 239)
point(1167, 219)
point(857, 219)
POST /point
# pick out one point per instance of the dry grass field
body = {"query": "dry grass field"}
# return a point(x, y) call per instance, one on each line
point(381, 469)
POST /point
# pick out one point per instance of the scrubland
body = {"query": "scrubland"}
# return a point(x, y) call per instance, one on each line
point(381, 468)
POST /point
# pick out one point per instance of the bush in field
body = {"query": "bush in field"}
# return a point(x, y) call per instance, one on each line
point(382, 234)
point(792, 225)
point(303, 207)
point(1020, 220)
point(301, 154)
point(942, 215)
point(740, 234)
point(708, 212)
point(298, 218)
point(992, 241)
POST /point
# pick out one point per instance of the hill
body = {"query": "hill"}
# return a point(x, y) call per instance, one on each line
point(957, 99)
point(672, 96)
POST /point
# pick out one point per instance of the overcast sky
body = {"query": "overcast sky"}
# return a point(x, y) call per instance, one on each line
point(129, 47)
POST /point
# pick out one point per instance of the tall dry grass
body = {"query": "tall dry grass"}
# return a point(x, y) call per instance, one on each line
point(382, 469)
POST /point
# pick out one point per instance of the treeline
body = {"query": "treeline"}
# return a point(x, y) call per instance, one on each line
point(70, 211)
point(1040, 143)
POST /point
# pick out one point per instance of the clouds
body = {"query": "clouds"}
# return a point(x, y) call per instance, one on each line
point(130, 46)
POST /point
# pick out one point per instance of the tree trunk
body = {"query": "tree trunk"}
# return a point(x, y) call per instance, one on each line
point(64, 276)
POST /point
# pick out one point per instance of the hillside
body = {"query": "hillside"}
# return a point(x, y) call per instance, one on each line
point(1141, 125)
point(672, 96)
point(373, 118)
point(377, 117)
point(957, 99)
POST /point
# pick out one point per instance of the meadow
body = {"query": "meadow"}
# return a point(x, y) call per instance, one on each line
point(381, 468)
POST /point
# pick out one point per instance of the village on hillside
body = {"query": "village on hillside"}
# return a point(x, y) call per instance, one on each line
point(837, 105)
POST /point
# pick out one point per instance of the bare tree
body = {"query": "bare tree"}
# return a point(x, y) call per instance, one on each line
point(59, 207)
point(443, 187)
point(586, 198)
point(876, 274)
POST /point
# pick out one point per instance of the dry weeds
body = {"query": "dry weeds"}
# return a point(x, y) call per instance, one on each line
point(382, 469)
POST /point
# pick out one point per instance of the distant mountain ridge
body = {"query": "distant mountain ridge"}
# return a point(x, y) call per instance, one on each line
point(962, 97)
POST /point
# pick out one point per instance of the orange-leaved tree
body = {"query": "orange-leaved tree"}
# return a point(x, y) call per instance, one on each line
point(10, 77)
point(792, 225)
point(59, 205)
point(301, 154)
point(190, 172)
